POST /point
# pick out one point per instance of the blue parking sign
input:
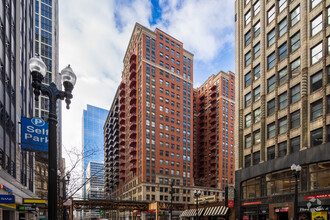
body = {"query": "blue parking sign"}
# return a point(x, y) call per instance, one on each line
point(34, 134)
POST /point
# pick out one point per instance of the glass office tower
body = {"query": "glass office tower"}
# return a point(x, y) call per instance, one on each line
point(93, 122)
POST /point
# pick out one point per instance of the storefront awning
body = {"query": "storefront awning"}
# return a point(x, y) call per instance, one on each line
point(191, 212)
point(216, 211)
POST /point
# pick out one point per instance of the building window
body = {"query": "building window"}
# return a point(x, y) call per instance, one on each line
point(316, 109)
point(282, 5)
point(316, 81)
point(282, 75)
point(256, 93)
point(271, 130)
point(247, 160)
point(271, 107)
point(295, 144)
point(315, 3)
point(248, 58)
point(247, 120)
point(256, 29)
point(248, 38)
point(316, 137)
point(256, 158)
point(295, 68)
point(316, 53)
point(282, 149)
point(271, 153)
point(282, 51)
point(271, 37)
point(248, 141)
point(328, 11)
point(295, 16)
point(319, 175)
point(247, 79)
point(282, 100)
point(295, 41)
point(256, 137)
point(248, 99)
point(247, 17)
point(282, 27)
point(295, 93)
point(282, 125)
point(271, 84)
point(256, 50)
point(316, 24)
point(271, 14)
point(328, 105)
point(256, 72)
point(256, 115)
point(256, 7)
point(271, 60)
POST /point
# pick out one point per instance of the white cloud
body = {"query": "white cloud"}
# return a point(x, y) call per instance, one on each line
point(203, 26)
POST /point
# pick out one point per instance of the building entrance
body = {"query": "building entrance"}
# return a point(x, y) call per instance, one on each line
point(282, 216)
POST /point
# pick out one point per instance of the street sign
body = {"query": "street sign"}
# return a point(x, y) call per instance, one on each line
point(34, 134)
point(26, 208)
point(34, 201)
point(101, 212)
point(7, 199)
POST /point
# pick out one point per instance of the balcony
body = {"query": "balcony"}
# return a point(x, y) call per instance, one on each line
point(202, 103)
point(132, 109)
point(132, 150)
point(132, 75)
point(202, 97)
point(213, 114)
point(214, 87)
point(122, 128)
point(122, 107)
point(132, 117)
point(132, 158)
point(122, 176)
point(132, 167)
point(132, 100)
point(122, 135)
point(122, 143)
point(122, 121)
point(122, 93)
point(133, 58)
point(132, 83)
point(133, 135)
point(213, 162)
point(132, 126)
point(121, 162)
point(213, 155)
point(213, 141)
point(122, 148)
point(132, 66)
point(133, 143)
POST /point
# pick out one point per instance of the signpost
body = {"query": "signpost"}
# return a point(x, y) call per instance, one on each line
point(34, 201)
point(7, 199)
point(34, 134)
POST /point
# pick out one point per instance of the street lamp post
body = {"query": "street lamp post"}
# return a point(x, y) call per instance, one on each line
point(197, 193)
point(171, 192)
point(38, 72)
point(296, 173)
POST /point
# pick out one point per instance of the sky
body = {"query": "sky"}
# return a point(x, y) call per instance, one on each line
point(94, 34)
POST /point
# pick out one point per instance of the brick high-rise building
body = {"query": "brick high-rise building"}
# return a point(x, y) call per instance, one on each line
point(282, 110)
point(214, 113)
point(155, 122)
